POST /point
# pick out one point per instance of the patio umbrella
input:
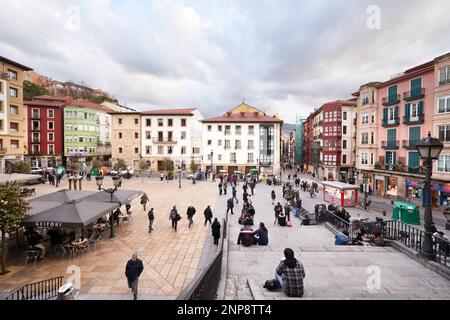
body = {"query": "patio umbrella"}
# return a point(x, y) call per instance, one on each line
point(64, 195)
point(71, 214)
point(120, 196)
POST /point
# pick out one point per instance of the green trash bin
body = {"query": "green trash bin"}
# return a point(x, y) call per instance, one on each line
point(406, 212)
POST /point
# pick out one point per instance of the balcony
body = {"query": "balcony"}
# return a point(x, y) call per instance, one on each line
point(36, 141)
point(164, 140)
point(36, 129)
point(415, 94)
point(399, 168)
point(265, 163)
point(391, 100)
point(237, 147)
point(410, 120)
point(391, 123)
point(444, 82)
point(35, 116)
point(233, 161)
point(410, 144)
point(332, 149)
point(389, 145)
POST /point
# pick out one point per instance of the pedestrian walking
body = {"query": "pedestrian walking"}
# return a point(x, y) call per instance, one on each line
point(208, 215)
point(245, 196)
point(225, 187)
point(278, 210)
point(234, 192)
point(215, 228)
point(175, 217)
point(273, 196)
point(287, 210)
point(190, 214)
point(151, 217)
point(244, 187)
point(133, 270)
point(252, 187)
point(220, 188)
point(144, 200)
point(230, 205)
point(161, 175)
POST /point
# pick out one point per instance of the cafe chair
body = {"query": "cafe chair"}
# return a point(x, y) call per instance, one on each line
point(32, 254)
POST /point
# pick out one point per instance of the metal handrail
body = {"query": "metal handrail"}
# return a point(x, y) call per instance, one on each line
point(204, 286)
point(41, 290)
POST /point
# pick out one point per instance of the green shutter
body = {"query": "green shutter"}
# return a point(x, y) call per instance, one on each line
point(391, 137)
point(407, 111)
point(393, 91)
point(413, 161)
point(420, 109)
point(394, 156)
point(387, 157)
point(396, 113)
point(385, 115)
point(414, 135)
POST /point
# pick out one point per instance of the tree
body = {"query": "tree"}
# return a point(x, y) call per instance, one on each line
point(121, 164)
point(101, 99)
point(13, 208)
point(143, 165)
point(74, 165)
point(96, 164)
point(31, 90)
point(193, 166)
point(19, 167)
point(168, 165)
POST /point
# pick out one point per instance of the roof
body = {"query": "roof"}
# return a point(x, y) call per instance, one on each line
point(409, 73)
point(47, 97)
point(170, 112)
point(86, 104)
point(44, 103)
point(16, 64)
point(244, 117)
point(340, 185)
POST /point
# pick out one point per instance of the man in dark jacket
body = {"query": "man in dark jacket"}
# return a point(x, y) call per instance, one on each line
point(230, 205)
point(234, 192)
point(151, 217)
point(215, 227)
point(174, 216)
point(190, 214)
point(132, 271)
point(252, 187)
point(208, 215)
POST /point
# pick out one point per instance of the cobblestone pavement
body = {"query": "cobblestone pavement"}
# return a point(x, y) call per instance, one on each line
point(171, 259)
point(332, 272)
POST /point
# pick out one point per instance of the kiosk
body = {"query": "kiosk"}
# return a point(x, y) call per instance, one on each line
point(340, 194)
point(406, 212)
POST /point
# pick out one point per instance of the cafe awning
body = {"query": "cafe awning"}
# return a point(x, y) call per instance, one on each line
point(65, 195)
point(120, 196)
point(70, 214)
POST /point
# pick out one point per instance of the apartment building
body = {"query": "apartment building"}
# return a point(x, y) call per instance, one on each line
point(126, 138)
point(242, 139)
point(13, 114)
point(173, 134)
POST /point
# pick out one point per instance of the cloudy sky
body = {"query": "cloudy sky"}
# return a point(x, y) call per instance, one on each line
point(284, 57)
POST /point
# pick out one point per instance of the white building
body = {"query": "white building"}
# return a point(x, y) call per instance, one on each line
point(173, 134)
point(242, 139)
point(104, 130)
point(117, 107)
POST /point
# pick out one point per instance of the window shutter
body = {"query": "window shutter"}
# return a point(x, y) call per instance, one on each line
point(420, 109)
point(407, 111)
point(396, 112)
point(385, 115)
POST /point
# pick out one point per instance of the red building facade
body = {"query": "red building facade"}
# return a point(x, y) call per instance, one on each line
point(45, 130)
point(332, 134)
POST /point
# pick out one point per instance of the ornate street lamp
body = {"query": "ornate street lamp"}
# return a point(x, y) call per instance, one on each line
point(117, 180)
point(429, 150)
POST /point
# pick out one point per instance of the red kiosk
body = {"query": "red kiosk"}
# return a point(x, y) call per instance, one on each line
point(340, 194)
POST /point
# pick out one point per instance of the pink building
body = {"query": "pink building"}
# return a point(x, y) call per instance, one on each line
point(405, 106)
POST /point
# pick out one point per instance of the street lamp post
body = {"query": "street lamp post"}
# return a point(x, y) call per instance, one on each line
point(212, 155)
point(116, 182)
point(365, 177)
point(429, 150)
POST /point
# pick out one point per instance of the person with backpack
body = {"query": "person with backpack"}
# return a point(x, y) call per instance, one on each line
point(290, 274)
point(175, 217)
point(190, 214)
point(208, 215)
point(151, 217)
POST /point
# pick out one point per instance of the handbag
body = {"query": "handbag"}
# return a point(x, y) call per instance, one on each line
point(178, 217)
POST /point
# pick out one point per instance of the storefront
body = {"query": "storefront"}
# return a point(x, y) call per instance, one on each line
point(340, 194)
point(392, 186)
point(380, 185)
point(386, 186)
point(440, 193)
point(414, 189)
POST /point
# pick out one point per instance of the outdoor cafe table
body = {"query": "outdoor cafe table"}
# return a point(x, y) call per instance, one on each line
point(79, 242)
point(99, 226)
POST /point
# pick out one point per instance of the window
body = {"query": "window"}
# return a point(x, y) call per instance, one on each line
point(444, 133)
point(344, 115)
point(373, 117)
point(219, 157)
point(50, 125)
point(14, 127)
point(160, 122)
point(50, 113)
point(444, 164)
point(219, 142)
point(344, 144)
point(14, 110)
point(344, 129)
point(238, 144)
point(120, 150)
point(136, 121)
point(372, 140)
point(365, 98)
point(120, 121)
point(238, 129)
point(148, 122)
point(148, 149)
point(219, 128)
point(209, 128)
point(251, 129)
point(371, 158)
point(364, 118)
point(195, 150)
point(183, 122)
point(160, 150)
point(364, 158)
point(413, 111)
point(169, 149)
point(120, 135)
point(80, 139)
point(251, 144)
point(373, 97)
point(250, 157)
point(183, 135)
point(14, 144)
point(148, 134)
point(227, 129)
point(51, 137)
point(136, 150)
point(51, 149)
point(136, 135)
point(13, 92)
point(170, 122)
point(12, 74)
point(227, 144)
point(209, 142)
point(183, 150)
point(209, 156)
point(391, 114)
point(444, 104)
point(344, 159)
point(444, 75)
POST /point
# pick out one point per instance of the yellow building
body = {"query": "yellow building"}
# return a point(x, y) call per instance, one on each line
point(126, 140)
point(13, 114)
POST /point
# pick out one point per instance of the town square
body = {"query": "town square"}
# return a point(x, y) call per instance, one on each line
point(212, 157)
